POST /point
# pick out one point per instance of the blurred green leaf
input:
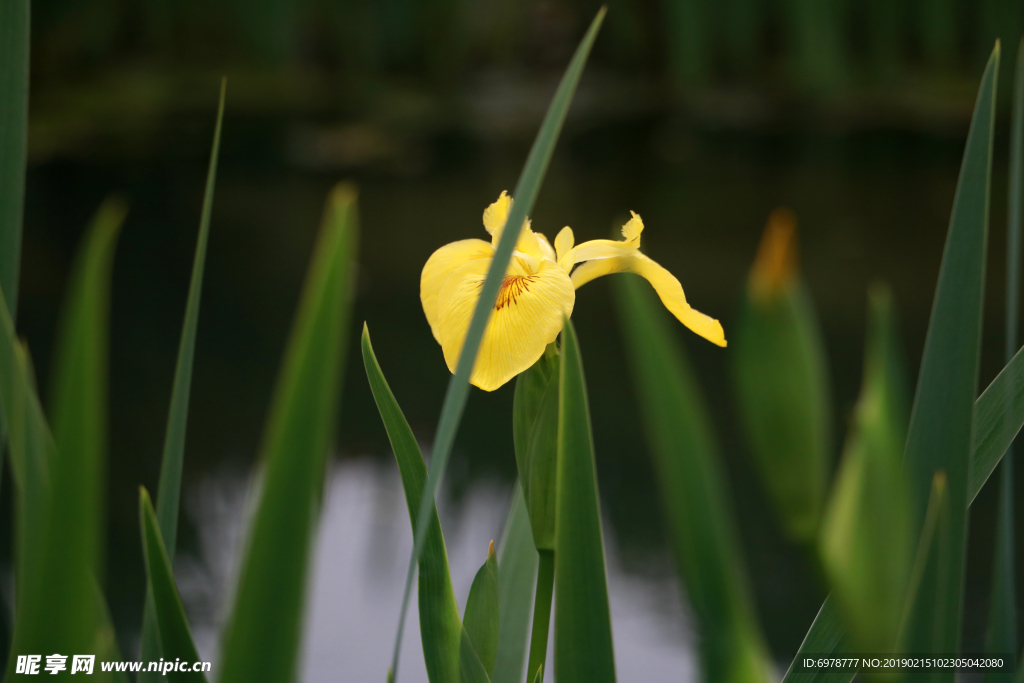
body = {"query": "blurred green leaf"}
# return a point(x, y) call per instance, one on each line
point(535, 433)
point(939, 437)
point(471, 669)
point(14, 67)
point(692, 490)
point(267, 615)
point(59, 494)
point(583, 630)
point(517, 571)
point(866, 537)
point(825, 637)
point(79, 389)
point(481, 619)
point(440, 625)
point(174, 633)
point(1002, 620)
point(169, 491)
point(458, 387)
point(782, 386)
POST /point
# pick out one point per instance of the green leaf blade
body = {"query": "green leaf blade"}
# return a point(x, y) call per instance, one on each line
point(692, 490)
point(939, 437)
point(175, 636)
point(267, 614)
point(1002, 620)
point(172, 462)
point(441, 629)
point(458, 387)
point(517, 573)
point(584, 652)
point(481, 619)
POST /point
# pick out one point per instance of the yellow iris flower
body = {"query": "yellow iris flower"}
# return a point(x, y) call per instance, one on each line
point(538, 289)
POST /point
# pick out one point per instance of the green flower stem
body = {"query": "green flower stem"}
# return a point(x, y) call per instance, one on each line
point(541, 611)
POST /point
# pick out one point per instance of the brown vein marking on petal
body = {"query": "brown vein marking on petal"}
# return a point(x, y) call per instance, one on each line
point(512, 286)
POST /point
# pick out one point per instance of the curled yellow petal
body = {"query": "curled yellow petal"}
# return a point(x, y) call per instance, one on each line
point(545, 247)
point(665, 284)
point(527, 316)
point(495, 217)
point(606, 249)
point(440, 265)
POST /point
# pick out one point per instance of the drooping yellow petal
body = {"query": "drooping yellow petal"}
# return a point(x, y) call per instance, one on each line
point(440, 265)
point(665, 284)
point(527, 316)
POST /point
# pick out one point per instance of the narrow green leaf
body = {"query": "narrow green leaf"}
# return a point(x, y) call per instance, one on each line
point(79, 390)
point(535, 431)
point(481, 619)
point(169, 491)
point(939, 438)
point(458, 387)
point(542, 610)
point(923, 628)
point(174, 633)
point(1002, 620)
point(583, 630)
point(997, 418)
point(866, 537)
point(267, 615)
point(825, 637)
point(14, 66)
point(440, 626)
point(782, 386)
point(517, 571)
point(692, 490)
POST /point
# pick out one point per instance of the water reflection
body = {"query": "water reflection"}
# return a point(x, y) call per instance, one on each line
point(359, 569)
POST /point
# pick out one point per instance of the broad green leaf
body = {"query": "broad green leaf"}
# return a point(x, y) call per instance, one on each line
point(471, 669)
point(535, 432)
point(782, 386)
point(825, 637)
point(481, 619)
point(174, 633)
point(14, 66)
point(267, 614)
point(458, 386)
point(865, 542)
point(692, 490)
point(517, 571)
point(440, 625)
point(169, 491)
point(583, 630)
point(79, 389)
point(939, 437)
point(1002, 620)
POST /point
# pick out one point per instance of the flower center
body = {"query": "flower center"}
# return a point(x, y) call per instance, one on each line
point(512, 287)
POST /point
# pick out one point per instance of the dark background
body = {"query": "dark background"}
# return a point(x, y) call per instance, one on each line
point(701, 115)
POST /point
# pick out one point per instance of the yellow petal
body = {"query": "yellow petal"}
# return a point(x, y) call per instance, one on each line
point(606, 249)
point(440, 265)
point(665, 284)
point(564, 241)
point(496, 214)
point(545, 247)
point(526, 318)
